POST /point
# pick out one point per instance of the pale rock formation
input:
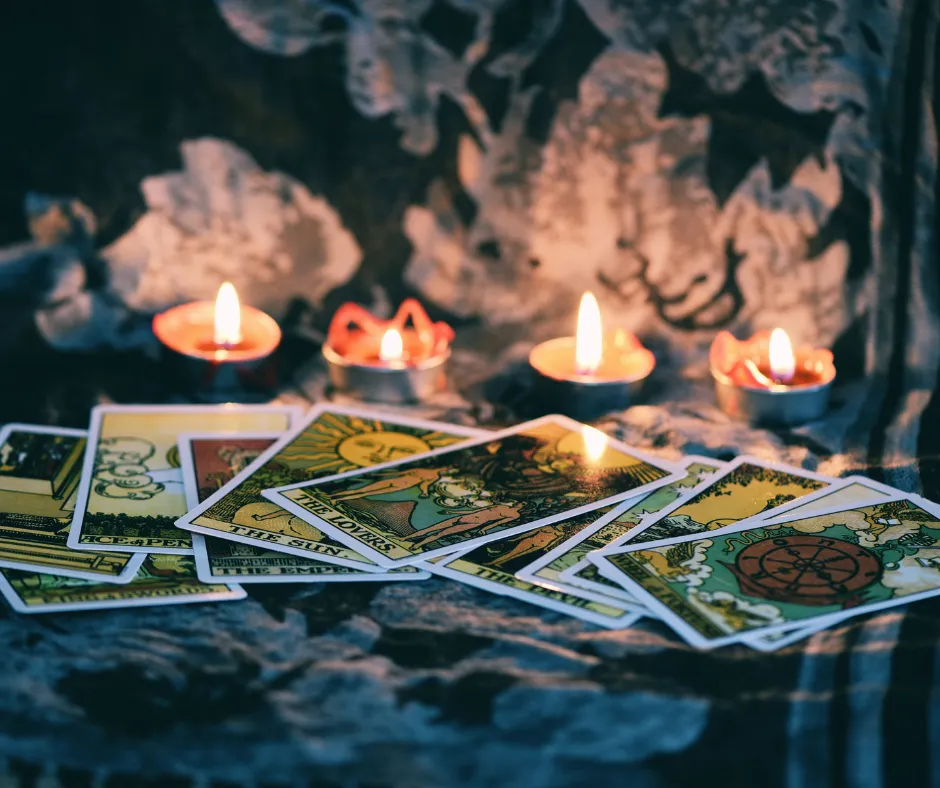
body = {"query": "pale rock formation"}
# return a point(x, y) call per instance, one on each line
point(224, 218)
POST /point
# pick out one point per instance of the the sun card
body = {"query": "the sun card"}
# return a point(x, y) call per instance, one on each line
point(131, 491)
point(548, 569)
point(811, 570)
point(747, 486)
point(208, 463)
point(452, 499)
point(162, 580)
point(847, 492)
point(39, 475)
point(491, 566)
point(333, 439)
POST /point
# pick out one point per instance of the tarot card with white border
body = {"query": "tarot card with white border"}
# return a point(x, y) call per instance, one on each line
point(162, 580)
point(479, 567)
point(844, 492)
point(549, 569)
point(811, 570)
point(131, 491)
point(451, 499)
point(39, 475)
point(745, 487)
point(332, 439)
point(208, 463)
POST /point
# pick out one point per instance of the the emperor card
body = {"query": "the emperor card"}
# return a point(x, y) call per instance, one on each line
point(162, 580)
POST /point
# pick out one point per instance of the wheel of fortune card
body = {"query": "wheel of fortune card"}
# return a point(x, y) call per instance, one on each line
point(806, 570)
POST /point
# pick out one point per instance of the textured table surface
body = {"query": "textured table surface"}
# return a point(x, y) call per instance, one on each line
point(439, 684)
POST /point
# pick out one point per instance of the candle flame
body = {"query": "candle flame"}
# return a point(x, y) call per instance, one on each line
point(589, 343)
point(392, 347)
point(228, 316)
point(782, 360)
point(595, 442)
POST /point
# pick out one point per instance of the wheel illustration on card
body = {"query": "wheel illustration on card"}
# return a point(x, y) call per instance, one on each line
point(806, 570)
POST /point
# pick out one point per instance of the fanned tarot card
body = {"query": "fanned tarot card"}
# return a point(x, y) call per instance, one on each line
point(39, 474)
point(517, 480)
point(491, 566)
point(612, 528)
point(332, 439)
point(209, 463)
point(131, 492)
point(162, 580)
point(806, 570)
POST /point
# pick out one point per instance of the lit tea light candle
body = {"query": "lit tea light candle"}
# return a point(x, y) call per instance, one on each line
point(764, 380)
point(398, 360)
point(591, 373)
point(223, 349)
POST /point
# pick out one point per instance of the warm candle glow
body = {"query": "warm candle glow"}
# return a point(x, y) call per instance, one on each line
point(595, 442)
point(589, 339)
point(228, 317)
point(782, 361)
point(392, 347)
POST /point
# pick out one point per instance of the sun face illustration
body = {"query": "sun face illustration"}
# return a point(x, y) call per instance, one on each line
point(336, 443)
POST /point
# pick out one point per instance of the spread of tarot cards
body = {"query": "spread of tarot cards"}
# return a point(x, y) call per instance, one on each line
point(161, 505)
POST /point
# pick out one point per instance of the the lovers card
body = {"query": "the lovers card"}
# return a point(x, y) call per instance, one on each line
point(537, 473)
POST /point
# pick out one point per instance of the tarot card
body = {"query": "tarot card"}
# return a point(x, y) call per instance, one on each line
point(162, 580)
point(490, 566)
point(850, 491)
point(332, 440)
point(548, 568)
point(208, 463)
point(39, 474)
point(452, 499)
point(131, 490)
point(801, 569)
point(745, 487)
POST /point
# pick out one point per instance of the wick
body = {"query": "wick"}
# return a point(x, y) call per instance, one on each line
point(761, 377)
